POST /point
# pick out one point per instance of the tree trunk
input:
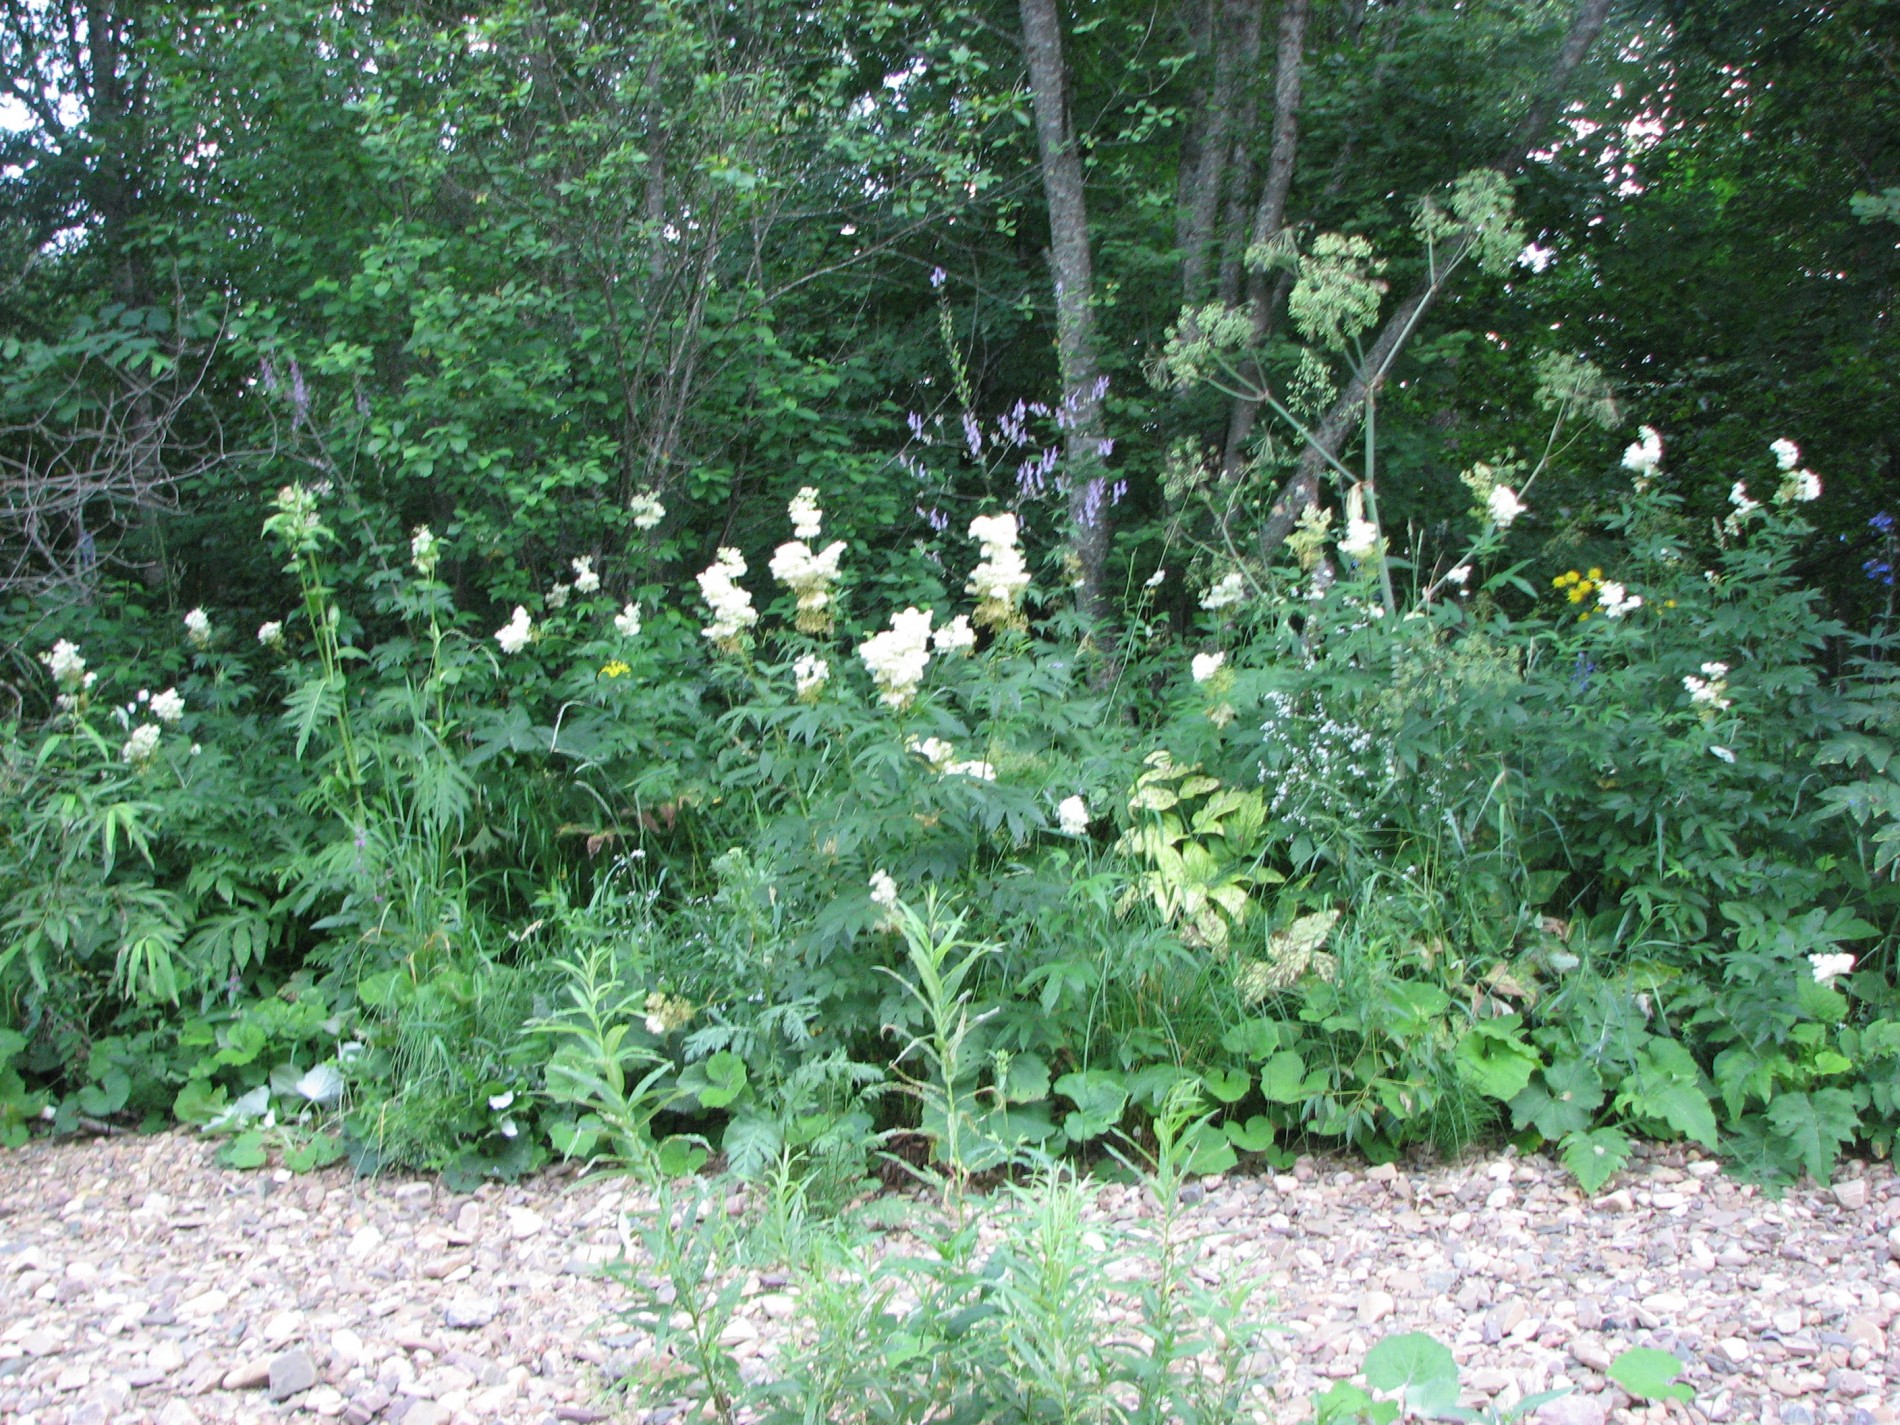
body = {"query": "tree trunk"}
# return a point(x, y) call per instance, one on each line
point(1235, 41)
point(1073, 276)
point(1269, 217)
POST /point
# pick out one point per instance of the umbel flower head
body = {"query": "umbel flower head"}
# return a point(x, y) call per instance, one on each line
point(647, 510)
point(1001, 576)
point(68, 667)
point(809, 676)
point(810, 577)
point(1227, 591)
point(198, 628)
point(513, 636)
point(732, 611)
point(425, 551)
point(627, 621)
point(898, 656)
point(586, 581)
point(1072, 817)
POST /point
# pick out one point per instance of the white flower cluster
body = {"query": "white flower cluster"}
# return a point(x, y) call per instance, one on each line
point(1710, 689)
point(68, 667)
point(883, 889)
point(1001, 576)
point(1072, 816)
point(1615, 600)
point(732, 611)
point(810, 673)
point(1504, 505)
point(898, 656)
point(1745, 505)
point(141, 747)
point(627, 621)
point(271, 634)
point(955, 637)
point(513, 636)
point(425, 551)
point(198, 628)
point(1644, 457)
point(942, 758)
point(1206, 665)
point(586, 581)
point(807, 517)
point(1798, 486)
point(1830, 967)
point(809, 576)
point(1229, 590)
point(168, 707)
point(647, 510)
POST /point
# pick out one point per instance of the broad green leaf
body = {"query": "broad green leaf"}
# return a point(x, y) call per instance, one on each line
point(1255, 1136)
point(244, 1151)
point(1815, 1126)
point(725, 1080)
point(1594, 1156)
point(1417, 1368)
point(1494, 1059)
point(1650, 1374)
point(1283, 1078)
point(1227, 1085)
point(1562, 1098)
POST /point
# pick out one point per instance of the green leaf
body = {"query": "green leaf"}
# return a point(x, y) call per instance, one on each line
point(751, 1143)
point(1563, 1098)
point(1494, 1059)
point(318, 1151)
point(1650, 1374)
point(1283, 1078)
point(1255, 1136)
point(1027, 1080)
point(1594, 1156)
point(198, 1102)
point(1418, 1369)
point(1815, 1125)
point(725, 1080)
point(1344, 1403)
point(1227, 1085)
point(1253, 1038)
point(244, 1151)
point(681, 1156)
point(1209, 1151)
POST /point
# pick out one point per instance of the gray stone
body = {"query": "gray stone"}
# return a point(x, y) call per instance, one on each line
point(291, 1373)
point(467, 1313)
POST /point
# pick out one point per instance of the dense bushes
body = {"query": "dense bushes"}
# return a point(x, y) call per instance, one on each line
point(1561, 845)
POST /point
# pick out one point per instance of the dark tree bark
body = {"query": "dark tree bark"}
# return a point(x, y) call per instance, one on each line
point(1269, 216)
point(1073, 275)
point(1234, 39)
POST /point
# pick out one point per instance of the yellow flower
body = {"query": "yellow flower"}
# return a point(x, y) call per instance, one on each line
point(1569, 576)
point(615, 669)
point(1669, 603)
point(1578, 593)
point(1595, 576)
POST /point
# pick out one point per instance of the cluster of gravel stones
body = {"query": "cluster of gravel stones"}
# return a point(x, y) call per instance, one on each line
point(140, 1282)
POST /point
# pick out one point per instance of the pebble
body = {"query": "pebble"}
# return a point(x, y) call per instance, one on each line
point(156, 1286)
point(291, 1373)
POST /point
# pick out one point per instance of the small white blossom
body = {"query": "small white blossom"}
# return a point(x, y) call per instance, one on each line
point(586, 581)
point(198, 628)
point(982, 771)
point(807, 518)
point(933, 750)
point(731, 605)
point(141, 746)
point(271, 634)
point(513, 636)
point(955, 637)
point(1615, 601)
point(897, 657)
point(1459, 576)
point(1738, 497)
point(1153, 581)
point(168, 706)
point(627, 621)
point(810, 673)
point(1001, 576)
point(1206, 665)
point(557, 596)
point(500, 1101)
point(647, 510)
point(1787, 453)
point(809, 576)
point(1228, 591)
point(66, 665)
point(1715, 670)
point(1072, 816)
point(1504, 505)
point(425, 551)
point(883, 889)
point(1807, 486)
point(1361, 539)
point(1830, 967)
point(1645, 456)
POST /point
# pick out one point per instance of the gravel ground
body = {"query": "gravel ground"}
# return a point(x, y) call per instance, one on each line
point(139, 1281)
